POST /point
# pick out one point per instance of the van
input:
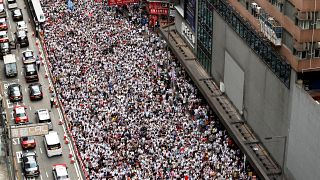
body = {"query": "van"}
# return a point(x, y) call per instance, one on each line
point(52, 144)
point(10, 65)
point(43, 116)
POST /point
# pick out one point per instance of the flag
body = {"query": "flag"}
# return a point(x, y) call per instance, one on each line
point(70, 5)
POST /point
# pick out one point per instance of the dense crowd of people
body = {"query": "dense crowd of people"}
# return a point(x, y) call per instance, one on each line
point(134, 111)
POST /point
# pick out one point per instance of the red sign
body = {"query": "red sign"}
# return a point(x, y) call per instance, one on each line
point(121, 2)
point(159, 11)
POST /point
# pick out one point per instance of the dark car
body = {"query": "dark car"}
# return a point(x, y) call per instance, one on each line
point(35, 91)
point(28, 142)
point(30, 72)
point(30, 165)
point(5, 48)
point(17, 14)
point(22, 38)
point(15, 93)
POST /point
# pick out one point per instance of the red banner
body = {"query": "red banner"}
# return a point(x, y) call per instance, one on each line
point(121, 2)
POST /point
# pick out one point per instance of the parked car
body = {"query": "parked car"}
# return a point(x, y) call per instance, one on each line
point(22, 38)
point(60, 172)
point(3, 24)
point(28, 142)
point(30, 72)
point(35, 91)
point(27, 56)
point(20, 114)
point(2, 10)
point(30, 166)
point(15, 93)
point(12, 4)
point(43, 116)
point(21, 25)
point(17, 14)
point(4, 49)
point(4, 36)
point(10, 65)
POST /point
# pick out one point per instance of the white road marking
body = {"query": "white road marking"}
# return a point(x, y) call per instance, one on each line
point(41, 177)
point(25, 89)
point(18, 155)
point(30, 108)
point(47, 174)
point(40, 150)
point(15, 141)
point(21, 73)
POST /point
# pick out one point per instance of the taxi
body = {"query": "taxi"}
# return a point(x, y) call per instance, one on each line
point(4, 36)
point(28, 142)
point(28, 56)
point(60, 172)
point(20, 115)
point(3, 24)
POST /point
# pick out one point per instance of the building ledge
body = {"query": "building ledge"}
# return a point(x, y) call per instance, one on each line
point(265, 166)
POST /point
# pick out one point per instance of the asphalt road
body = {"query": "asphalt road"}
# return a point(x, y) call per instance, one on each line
point(45, 163)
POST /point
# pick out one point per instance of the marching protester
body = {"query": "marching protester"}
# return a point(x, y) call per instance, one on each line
point(134, 111)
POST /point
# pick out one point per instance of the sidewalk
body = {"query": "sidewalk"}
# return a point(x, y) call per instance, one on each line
point(3, 167)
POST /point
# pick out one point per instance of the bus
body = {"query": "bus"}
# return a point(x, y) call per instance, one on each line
point(52, 144)
point(38, 18)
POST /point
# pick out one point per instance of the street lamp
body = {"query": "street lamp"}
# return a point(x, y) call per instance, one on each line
point(284, 151)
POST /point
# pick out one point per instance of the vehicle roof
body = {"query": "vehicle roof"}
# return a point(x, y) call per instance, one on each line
point(52, 138)
point(28, 154)
point(2, 19)
point(20, 109)
point(61, 169)
point(9, 58)
point(14, 85)
point(3, 33)
point(43, 114)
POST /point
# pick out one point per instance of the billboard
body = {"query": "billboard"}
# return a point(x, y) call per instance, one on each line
point(29, 130)
point(190, 11)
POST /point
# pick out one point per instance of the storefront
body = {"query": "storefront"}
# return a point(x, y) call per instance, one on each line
point(158, 12)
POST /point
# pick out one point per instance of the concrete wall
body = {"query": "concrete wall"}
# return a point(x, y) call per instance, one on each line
point(266, 99)
point(303, 157)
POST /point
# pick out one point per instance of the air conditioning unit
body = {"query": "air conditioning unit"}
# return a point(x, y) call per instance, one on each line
point(222, 88)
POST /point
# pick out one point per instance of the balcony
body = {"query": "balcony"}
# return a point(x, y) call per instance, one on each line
point(270, 28)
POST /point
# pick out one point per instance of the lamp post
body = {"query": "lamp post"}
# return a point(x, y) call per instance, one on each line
point(284, 151)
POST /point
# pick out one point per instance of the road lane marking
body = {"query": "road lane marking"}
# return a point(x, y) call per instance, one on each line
point(47, 174)
point(18, 155)
point(41, 177)
point(15, 141)
point(30, 108)
point(40, 150)
point(25, 89)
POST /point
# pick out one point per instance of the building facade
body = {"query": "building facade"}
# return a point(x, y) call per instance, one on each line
point(264, 54)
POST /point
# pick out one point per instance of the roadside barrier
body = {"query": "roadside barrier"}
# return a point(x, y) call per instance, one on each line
point(59, 104)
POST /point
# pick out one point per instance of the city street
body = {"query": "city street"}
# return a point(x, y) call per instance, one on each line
point(45, 163)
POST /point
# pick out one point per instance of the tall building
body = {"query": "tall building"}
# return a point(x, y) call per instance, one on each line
point(264, 55)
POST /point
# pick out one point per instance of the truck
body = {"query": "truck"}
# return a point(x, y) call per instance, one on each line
point(10, 65)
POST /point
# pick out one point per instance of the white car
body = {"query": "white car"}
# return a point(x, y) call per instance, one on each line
point(12, 4)
point(2, 11)
point(60, 172)
point(21, 25)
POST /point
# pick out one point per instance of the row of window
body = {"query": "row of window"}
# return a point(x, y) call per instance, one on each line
point(204, 34)
point(272, 59)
